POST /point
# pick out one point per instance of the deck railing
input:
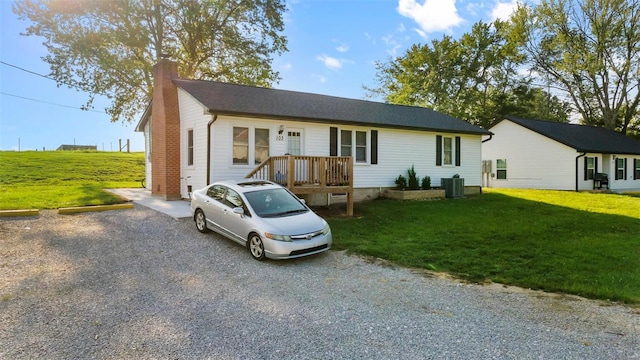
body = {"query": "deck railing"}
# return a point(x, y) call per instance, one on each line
point(309, 174)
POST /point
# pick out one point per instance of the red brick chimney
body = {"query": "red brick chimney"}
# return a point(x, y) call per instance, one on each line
point(165, 132)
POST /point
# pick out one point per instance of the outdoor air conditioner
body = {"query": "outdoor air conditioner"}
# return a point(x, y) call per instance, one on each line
point(453, 187)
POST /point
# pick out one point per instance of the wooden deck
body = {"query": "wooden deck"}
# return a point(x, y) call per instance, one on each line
point(309, 174)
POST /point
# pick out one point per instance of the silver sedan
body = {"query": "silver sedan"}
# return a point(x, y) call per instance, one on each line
point(263, 216)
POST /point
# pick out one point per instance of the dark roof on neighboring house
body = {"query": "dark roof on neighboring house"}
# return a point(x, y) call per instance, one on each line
point(582, 138)
point(251, 101)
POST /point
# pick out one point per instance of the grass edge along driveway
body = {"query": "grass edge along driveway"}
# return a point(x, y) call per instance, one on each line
point(578, 243)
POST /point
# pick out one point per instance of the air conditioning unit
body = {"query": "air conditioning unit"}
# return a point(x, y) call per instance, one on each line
point(453, 187)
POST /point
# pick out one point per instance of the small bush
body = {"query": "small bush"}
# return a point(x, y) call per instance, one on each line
point(401, 182)
point(426, 183)
point(414, 180)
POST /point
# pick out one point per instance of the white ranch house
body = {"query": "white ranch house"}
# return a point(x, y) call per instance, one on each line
point(536, 154)
point(197, 132)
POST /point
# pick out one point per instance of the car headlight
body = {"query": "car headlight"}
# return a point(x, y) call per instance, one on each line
point(326, 229)
point(278, 237)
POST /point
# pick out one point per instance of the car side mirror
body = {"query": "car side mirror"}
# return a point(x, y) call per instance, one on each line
point(238, 210)
point(303, 201)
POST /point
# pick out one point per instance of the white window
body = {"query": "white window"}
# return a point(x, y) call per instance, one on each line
point(354, 143)
point(190, 147)
point(261, 145)
point(621, 173)
point(447, 151)
point(248, 141)
point(501, 169)
point(591, 168)
point(240, 145)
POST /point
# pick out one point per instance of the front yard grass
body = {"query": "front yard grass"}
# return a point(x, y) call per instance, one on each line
point(560, 241)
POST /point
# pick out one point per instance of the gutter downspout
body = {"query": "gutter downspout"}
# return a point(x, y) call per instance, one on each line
point(213, 119)
point(577, 172)
point(490, 137)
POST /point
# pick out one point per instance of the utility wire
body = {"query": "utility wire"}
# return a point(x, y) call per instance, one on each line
point(42, 101)
point(44, 76)
point(50, 103)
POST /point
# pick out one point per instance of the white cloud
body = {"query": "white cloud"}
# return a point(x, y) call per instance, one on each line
point(392, 45)
point(330, 62)
point(431, 15)
point(287, 67)
point(503, 10)
point(343, 48)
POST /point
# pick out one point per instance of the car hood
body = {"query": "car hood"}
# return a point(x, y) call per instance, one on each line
point(297, 224)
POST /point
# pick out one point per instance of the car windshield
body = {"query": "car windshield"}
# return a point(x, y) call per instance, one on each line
point(274, 202)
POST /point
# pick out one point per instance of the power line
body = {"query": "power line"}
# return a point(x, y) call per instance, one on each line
point(25, 70)
point(45, 76)
point(50, 103)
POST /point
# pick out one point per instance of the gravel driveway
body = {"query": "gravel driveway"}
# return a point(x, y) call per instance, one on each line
point(139, 284)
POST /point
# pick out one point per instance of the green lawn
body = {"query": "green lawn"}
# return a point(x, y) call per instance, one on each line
point(578, 243)
point(55, 179)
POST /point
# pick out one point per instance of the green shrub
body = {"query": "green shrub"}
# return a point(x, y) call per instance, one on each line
point(401, 182)
point(426, 183)
point(413, 179)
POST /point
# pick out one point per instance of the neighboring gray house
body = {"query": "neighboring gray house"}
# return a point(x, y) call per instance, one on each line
point(197, 132)
point(536, 154)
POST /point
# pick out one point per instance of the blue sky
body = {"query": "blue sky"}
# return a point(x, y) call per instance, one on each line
point(333, 45)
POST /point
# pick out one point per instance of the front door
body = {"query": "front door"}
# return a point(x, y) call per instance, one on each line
point(294, 141)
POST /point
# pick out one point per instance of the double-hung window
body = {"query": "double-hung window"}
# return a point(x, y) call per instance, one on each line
point(261, 145)
point(501, 169)
point(621, 169)
point(250, 145)
point(448, 150)
point(590, 168)
point(240, 145)
point(354, 143)
point(636, 167)
point(190, 147)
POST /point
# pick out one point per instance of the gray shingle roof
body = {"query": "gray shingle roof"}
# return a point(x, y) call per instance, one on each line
point(582, 138)
point(230, 99)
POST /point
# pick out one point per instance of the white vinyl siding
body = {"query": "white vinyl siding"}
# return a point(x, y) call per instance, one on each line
point(192, 117)
point(534, 161)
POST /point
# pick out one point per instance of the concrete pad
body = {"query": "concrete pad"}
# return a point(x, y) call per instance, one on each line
point(175, 208)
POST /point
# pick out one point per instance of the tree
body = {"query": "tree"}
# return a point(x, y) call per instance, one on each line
point(110, 47)
point(474, 78)
point(590, 50)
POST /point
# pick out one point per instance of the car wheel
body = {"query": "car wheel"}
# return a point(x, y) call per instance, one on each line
point(201, 221)
point(256, 246)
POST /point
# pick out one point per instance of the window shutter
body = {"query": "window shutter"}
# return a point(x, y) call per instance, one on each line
point(625, 169)
point(586, 163)
point(438, 150)
point(636, 174)
point(596, 165)
point(333, 141)
point(457, 150)
point(374, 146)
